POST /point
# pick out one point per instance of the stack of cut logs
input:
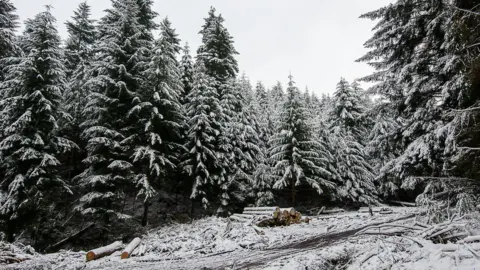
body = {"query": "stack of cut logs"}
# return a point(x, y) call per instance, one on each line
point(269, 216)
point(133, 248)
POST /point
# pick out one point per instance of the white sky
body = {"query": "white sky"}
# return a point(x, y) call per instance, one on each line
point(317, 40)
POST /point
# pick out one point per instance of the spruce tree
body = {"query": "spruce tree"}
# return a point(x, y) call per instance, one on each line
point(203, 112)
point(157, 142)
point(118, 75)
point(186, 69)
point(217, 52)
point(411, 75)
point(297, 155)
point(78, 62)
point(30, 147)
point(8, 26)
point(356, 177)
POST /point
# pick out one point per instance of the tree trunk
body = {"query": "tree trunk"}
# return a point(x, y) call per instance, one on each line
point(294, 192)
point(10, 231)
point(145, 213)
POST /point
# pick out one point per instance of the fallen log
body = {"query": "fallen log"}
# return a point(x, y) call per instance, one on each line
point(62, 242)
point(470, 239)
point(139, 251)
point(321, 210)
point(333, 211)
point(130, 247)
point(261, 209)
point(405, 203)
point(239, 219)
point(260, 213)
point(103, 251)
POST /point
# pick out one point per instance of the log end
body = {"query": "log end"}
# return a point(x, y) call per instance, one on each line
point(125, 255)
point(90, 256)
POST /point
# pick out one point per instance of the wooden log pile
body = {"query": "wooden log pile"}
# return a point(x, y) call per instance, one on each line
point(7, 257)
point(269, 216)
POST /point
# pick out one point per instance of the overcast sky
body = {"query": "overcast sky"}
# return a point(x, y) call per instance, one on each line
point(317, 40)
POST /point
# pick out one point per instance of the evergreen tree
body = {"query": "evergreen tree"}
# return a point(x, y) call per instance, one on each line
point(356, 182)
point(81, 30)
point(8, 26)
point(411, 75)
point(217, 52)
point(203, 114)
point(30, 147)
point(78, 61)
point(297, 155)
point(118, 70)
point(158, 139)
point(186, 68)
point(348, 110)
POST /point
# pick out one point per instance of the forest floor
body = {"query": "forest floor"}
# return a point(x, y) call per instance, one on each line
point(327, 242)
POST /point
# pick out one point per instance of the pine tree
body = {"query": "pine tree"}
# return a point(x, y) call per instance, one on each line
point(217, 52)
point(356, 177)
point(30, 147)
point(297, 155)
point(348, 110)
point(8, 26)
point(81, 30)
point(203, 113)
point(78, 62)
point(118, 70)
point(157, 144)
point(186, 68)
point(411, 75)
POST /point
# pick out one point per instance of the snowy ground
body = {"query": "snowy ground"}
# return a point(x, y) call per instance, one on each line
point(216, 243)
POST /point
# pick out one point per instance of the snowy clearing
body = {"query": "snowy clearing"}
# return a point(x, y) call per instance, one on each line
point(216, 243)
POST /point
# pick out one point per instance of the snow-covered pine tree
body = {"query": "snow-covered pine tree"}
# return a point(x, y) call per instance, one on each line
point(186, 69)
point(276, 98)
point(241, 129)
point(118, 70)
point(380, 149)
point(348, 110)
point(32, 96)
point(263, 114)
point(262, 176)
point(81, 30)
point(410, 74)
point(298, 157)
point(356, 182)
point(203, 113)
point(78, 60)
point(8, 26)
point(217, 52)
point(160, 115)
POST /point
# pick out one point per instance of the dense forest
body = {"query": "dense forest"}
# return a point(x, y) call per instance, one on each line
point(120, 125)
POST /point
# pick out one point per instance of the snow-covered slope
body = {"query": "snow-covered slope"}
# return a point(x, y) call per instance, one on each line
point(216, 243)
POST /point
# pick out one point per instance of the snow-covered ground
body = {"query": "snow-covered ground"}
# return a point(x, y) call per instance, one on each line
point(326, 242)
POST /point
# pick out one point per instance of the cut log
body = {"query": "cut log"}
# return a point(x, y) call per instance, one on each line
point(260, 213)
point(59, 244)
point(244, 216)
point(405, 203)
point(239, 219)
point(261, 209)
point(139, 251)
point(333, 211)
point(321, 210)
point(103, 251)
point(127, 252)
point(470, 239)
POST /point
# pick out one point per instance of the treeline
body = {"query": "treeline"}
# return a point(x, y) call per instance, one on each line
point(115, 113)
